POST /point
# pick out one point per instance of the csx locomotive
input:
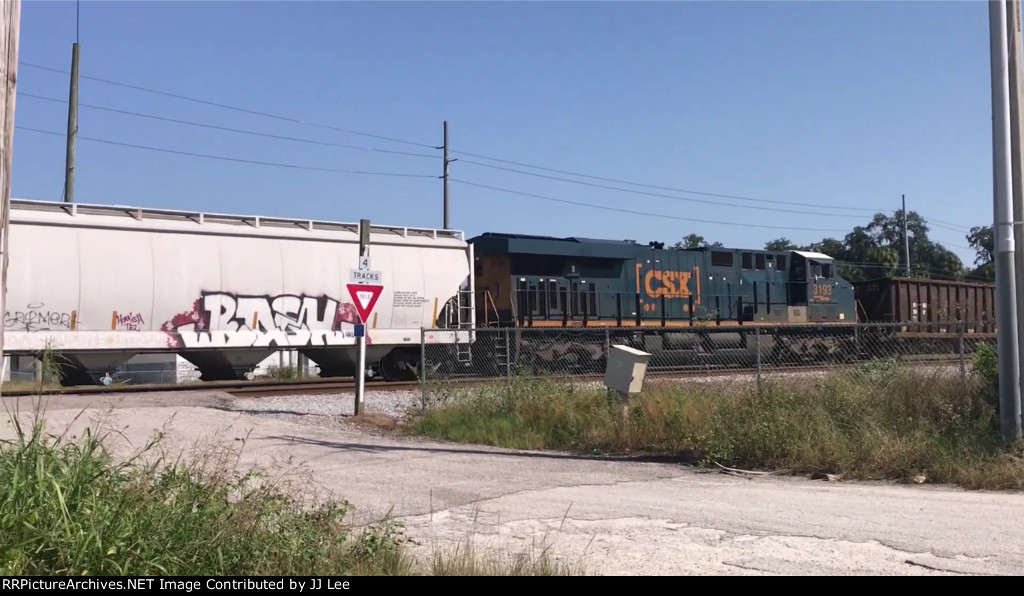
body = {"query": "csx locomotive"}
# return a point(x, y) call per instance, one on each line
point(788, 305)
point(535, 281)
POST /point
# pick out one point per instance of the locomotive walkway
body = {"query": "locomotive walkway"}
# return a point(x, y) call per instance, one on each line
point(611, 517)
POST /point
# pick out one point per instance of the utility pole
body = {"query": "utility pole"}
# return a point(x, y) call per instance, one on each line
point(906, 239)
point(1013, 22)
point(445, 175)
point(69, 161)
point(9, 39)
point(1006, 304)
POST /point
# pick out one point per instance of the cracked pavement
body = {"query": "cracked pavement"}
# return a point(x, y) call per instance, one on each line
point(604, 516)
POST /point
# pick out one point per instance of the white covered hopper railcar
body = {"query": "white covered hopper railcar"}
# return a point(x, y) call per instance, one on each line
point(100, 284)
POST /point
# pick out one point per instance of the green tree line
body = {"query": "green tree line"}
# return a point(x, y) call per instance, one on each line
point(875, 250)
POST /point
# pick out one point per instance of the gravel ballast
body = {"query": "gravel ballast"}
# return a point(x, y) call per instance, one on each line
point(332, 405)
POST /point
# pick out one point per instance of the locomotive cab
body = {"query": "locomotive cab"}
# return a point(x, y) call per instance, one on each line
point(816, 291)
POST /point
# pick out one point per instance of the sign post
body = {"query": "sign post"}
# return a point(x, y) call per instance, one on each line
point(364, 287)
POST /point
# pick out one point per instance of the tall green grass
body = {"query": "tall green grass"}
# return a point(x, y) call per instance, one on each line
point(69, 507)
point(880, 421)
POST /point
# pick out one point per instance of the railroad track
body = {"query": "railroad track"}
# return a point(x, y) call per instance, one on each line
point(259, 388)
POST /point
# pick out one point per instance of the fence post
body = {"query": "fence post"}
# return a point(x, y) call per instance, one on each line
point(423, 366)
point(757, 344)
point(508, 360)
point(960, 350)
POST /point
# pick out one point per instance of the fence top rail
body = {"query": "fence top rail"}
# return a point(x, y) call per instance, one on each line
point(938, 326)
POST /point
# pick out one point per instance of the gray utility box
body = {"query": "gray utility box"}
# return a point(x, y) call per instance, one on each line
point(626, 369)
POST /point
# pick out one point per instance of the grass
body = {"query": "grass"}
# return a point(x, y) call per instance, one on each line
point(69, 507)
point(880, 421)
point(466, 562)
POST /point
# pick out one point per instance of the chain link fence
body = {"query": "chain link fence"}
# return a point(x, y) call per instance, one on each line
point(728, 353)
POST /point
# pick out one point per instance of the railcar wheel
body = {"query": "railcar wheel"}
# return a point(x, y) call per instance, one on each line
point(399, 366)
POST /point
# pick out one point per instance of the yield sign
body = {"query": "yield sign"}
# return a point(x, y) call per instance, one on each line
point(364, 296)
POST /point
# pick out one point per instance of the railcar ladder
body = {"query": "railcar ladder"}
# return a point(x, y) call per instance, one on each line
point(465, 309)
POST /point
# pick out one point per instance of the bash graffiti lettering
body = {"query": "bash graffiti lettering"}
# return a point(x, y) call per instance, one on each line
point(221, 319)
point(36, 317)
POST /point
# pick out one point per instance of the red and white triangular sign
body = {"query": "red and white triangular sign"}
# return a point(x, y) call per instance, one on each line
point(364, 297)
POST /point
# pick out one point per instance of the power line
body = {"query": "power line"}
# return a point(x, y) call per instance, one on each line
point(225, 158)
point(940, 223)
point(634, 212)
point(928, 268)
point(802, 212)
point(659, 215)
point(654, 194)
point(943, 225)
point(955, 227)
point(682, 190)
point(227, 128)
point(406, 153)
point(235, 108)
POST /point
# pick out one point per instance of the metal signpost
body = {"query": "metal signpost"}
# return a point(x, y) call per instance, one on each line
point(365, 288)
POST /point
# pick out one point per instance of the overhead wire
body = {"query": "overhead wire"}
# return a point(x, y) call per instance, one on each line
point(655, 194)
point(929, 268)
point(657, 187)
point(635, 212)
point(660, 215)
point(227, 128)
point(225, 158)
point(406, 175)
point(471, 154)
point(234, 108)
point(939, 223)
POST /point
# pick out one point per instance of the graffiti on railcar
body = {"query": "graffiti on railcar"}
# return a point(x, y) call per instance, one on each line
point(220, 319)
point(36, 317)
point(126, 321)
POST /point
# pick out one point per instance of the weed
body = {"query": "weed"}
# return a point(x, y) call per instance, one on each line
point(284, 373)
point(68, 507)
point(878, 421)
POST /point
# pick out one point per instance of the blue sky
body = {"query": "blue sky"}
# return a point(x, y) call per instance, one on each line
point(824, 103)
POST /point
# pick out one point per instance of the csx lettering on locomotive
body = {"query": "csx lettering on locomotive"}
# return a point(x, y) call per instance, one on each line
point(670, 284)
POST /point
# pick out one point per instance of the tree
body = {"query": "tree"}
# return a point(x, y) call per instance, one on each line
point(828, 246)
point(982, 241)
point(876, 250)
point(780, 244)
point(695, 241)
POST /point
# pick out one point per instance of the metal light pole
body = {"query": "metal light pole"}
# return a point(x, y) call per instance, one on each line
point(1006, 308)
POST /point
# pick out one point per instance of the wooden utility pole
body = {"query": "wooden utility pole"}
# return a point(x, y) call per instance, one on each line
point(1014, 55)
point(69, 162)
point(906, 239)
point(9, 30)
point(445, 175)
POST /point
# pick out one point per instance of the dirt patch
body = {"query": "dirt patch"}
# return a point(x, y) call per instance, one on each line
point(373, 420)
